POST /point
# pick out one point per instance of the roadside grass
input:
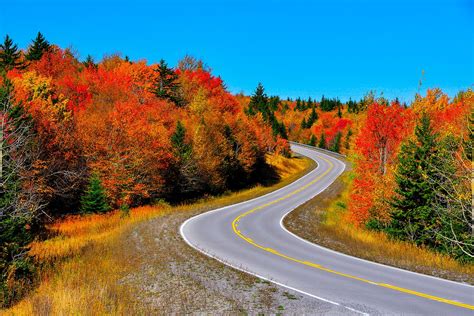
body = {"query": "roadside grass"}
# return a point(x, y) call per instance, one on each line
point(84, 267)
point(323, 220)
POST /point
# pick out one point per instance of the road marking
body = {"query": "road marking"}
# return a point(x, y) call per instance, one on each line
point(319, 267)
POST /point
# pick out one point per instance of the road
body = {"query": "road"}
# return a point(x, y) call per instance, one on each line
point(250, 236)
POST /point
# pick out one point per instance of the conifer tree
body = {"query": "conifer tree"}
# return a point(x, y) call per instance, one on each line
point(39, 46)
point(413, 217)
point(166, 85)
point(89, 62)
point(178, 140)
point(322, 141)
point(312, 140)
point(303, 123)
point(258, 102)
point(313, 117)
point(94, 199)
point(10, 56)
point(336, 143)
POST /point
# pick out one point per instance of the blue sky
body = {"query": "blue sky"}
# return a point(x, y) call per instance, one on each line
point(295, 48)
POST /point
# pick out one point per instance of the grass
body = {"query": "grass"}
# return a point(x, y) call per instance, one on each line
point(95, 264)
point(323, 220)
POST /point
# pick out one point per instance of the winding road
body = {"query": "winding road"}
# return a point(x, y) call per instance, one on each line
point(250, 236)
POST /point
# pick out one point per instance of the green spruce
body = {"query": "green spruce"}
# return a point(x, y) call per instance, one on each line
point(10, 55)
point(94, 199)
point(413, 217)
point(39, 46)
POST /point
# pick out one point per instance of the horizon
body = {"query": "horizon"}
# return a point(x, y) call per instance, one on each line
point(311, 65)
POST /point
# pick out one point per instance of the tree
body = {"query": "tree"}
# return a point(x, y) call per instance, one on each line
point(20, 203)
point(94, 199)
point(312, 140)
point(348, 137)
point(166, 84)
point(10, 56)
point(382, 133)
point(89, 62)
point(178, 140)
point(451, 182)
point(39, 46)
point(413, 217)
point(335, 144)
point(322, 141)
point(258, 103)
point(313, 117)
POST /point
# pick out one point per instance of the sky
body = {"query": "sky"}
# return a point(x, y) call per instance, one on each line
point(339, 48)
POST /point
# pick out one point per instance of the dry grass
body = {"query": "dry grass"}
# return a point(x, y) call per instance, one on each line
point(86, 263)
point(323, 221)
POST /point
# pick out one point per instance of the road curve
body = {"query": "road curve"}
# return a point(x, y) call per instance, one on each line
point(250, 236)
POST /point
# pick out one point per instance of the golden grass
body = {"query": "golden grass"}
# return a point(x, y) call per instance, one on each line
point(84, 263)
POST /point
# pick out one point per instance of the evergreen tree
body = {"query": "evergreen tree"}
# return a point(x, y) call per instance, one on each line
point(178, 140)
point(313, 117)
point(303, 123)
point(348, 136)
point(312, 140)
point(413, 217)
point(39, 46)
point(336, 143)
point(10, 56)
point(339, 112)
point(166, 85)
point(322, 141)
point(258, 102)
point(89, 62)
point(94, 199)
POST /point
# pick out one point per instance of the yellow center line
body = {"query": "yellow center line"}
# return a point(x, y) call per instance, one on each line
point(319, 267)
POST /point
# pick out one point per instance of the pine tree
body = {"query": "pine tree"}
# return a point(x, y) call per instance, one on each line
point(348, 137)
point(178, 140)
point(413, 217)
point(303, 123)
point(313, 117)
point(39, 46)
point(89, 62)
point(10, 56)
point(166, 85)
point(312, 140)
point(322, 141)
point(336, 143)
point(339, 112)
point(258, 102)
point(94, 199)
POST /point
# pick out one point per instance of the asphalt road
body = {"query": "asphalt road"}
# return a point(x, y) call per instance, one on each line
point(250, 236)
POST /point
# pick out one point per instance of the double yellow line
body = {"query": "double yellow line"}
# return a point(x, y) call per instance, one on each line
point(235, 225)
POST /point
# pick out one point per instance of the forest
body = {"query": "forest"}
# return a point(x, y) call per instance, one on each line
point(412, 163)
point(86, 137)
point(82, 137)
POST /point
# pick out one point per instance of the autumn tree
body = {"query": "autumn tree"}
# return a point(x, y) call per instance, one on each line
point(10, 56)
point(39, 46)
point(382, 133)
